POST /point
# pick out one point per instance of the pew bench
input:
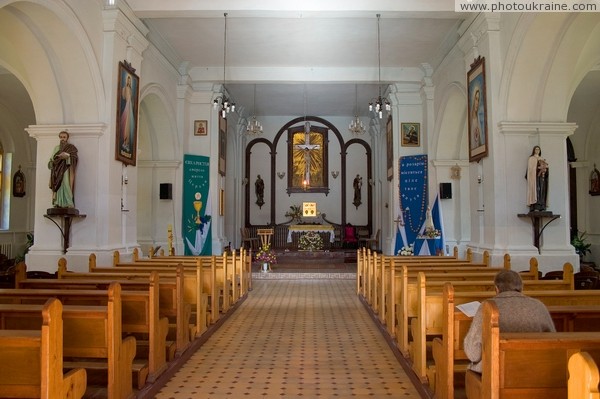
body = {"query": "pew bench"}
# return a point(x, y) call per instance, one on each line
point(584, 376)
point(448, 350)
point(94, 341)
point(178, 291)
point(199, 287)
point(525, 365)
point(210, 275)
point(428, 321)
point(400, 297)
point(32, 360)
point(141, 315)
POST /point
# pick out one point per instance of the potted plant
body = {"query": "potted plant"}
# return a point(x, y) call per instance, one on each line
point(582, 247)
point(295, 213)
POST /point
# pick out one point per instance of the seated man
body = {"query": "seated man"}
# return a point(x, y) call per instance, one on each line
point(517, 313)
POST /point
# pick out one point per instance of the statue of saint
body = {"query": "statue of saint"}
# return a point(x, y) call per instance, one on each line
point(357, 184)
point(537, 180)
point(62, 166)
point(259, 188)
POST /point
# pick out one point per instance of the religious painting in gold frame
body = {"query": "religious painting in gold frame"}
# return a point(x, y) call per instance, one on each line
point(477, 111)
point(222, 145)
point(308, 159)
point(389, 139)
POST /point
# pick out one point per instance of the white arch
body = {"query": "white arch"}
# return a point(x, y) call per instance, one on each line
point(53, 57)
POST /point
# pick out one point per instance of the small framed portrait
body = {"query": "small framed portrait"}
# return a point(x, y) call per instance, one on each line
point(477, 111)
point(200, 128)
point(128, 89)
point(410, 134)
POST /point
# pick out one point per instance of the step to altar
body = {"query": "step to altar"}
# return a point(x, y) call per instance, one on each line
point(316, 257)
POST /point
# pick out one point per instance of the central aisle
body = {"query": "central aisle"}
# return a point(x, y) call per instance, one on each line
point(294, 339)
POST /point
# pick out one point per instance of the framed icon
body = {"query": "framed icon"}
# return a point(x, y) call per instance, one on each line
point(128, 89)
point(411, 134)
point(200, 128)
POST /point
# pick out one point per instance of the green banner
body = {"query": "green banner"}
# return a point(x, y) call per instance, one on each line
point(197, 207)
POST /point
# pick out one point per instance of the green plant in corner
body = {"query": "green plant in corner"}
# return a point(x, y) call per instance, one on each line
point(579, 242)
point(28, 244)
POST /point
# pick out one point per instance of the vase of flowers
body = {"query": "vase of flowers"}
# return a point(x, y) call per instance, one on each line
point(266, 256)
point(430, 232)
point(407, 250)
point(310, 241)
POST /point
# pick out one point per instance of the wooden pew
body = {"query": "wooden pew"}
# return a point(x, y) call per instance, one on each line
point(403, 300)
point(365, 266)
point(448, 350)
point(525, 365)
point(179, 290)
point(140, 315)
point(381, 272)
point(429, 318)
point(239, 267)
point(584, 377)
point(209, 271)
point(32, 360)
point(236, 266)
point(400, 300)
point(95, 342)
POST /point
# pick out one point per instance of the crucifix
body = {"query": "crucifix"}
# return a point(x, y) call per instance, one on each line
point(307, 149)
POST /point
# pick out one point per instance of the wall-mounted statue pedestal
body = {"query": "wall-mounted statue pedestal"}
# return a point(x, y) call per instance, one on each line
point(66, 216)
point(537, 221)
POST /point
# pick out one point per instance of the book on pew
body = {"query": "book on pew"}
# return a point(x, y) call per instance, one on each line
point(469, 308)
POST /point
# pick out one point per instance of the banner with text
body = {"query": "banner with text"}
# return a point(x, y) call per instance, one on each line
point(197, 207)
point(413, 199)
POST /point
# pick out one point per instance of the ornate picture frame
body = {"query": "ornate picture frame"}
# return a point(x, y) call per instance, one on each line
point(128, 89)
point(200, 127)
point(18, 183)
point(222, 145)
point(477, 111)
point(410, 133)
point(389, 138)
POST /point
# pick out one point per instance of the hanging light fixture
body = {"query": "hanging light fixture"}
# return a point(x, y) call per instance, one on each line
point(356, 126)
point(254, 127)
point(380, 103)
point(226, 104)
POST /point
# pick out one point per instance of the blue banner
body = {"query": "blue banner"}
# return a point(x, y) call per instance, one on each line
point(413, 199)
point(197, 206)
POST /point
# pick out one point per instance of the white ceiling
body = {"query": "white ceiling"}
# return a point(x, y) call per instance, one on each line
point(302, 61)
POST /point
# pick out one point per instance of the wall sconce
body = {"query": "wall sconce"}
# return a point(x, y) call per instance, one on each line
point(371, 182)
point(245, 181)
point(335, 173)
point(281, 175)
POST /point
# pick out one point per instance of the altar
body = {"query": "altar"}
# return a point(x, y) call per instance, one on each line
point(317, 228)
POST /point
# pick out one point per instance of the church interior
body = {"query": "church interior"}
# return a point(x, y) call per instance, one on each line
point(392, 127)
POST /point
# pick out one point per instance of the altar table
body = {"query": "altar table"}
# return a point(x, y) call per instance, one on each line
point(318, 228)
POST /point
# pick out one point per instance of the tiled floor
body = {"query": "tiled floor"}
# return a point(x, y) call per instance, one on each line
point(294, 338)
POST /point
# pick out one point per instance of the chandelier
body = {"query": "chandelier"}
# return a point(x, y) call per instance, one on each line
point(226, 104)
point(254, 127)
point(356, 126)
point(379, 104)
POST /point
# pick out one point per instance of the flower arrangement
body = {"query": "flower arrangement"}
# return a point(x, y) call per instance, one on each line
point(266, 255)
point(295, 212)
point(310, 241)
point(407, 250)
point(430, 232)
